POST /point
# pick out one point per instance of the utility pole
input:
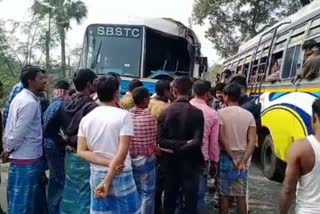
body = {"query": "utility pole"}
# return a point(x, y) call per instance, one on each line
point(48, 36)
point(62, 37)
point(48, 43)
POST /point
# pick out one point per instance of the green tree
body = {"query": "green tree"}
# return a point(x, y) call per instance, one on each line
point(211, 75)
point(232, 22)
point(9, 66)
point(61, 12)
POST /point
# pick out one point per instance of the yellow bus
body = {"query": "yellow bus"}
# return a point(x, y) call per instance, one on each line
point(285, 107)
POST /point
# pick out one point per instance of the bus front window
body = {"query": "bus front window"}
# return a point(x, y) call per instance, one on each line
point(114, 49)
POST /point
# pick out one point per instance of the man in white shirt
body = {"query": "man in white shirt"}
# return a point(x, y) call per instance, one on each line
point(23, 144)
point(103, 140)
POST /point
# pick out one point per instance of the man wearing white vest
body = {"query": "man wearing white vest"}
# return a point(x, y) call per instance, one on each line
point(303, 171)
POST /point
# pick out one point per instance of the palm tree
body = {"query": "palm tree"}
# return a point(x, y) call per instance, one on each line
point(61, 12)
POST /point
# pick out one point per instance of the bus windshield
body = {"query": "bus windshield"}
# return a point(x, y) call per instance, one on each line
point(113, 48)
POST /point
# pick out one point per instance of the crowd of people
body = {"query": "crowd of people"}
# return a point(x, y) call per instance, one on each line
point(138, 154)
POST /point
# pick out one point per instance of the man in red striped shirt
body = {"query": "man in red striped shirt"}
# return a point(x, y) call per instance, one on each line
point(142, 149)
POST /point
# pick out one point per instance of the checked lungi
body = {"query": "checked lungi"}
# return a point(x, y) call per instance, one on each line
point(55, 159)
point(76, 194)
point(24, 187)
point(227, 185)
point(144, 174)
point(122, 197)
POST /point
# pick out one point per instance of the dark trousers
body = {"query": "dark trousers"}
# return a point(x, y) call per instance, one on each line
point(189, 185)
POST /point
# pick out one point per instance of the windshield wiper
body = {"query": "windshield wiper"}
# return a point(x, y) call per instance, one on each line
point(95, 60)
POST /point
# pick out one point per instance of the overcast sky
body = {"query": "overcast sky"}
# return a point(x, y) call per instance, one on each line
point(104, 10)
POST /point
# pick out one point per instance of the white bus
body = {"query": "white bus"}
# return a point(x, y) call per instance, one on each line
point(146, 49)
point(285, 107)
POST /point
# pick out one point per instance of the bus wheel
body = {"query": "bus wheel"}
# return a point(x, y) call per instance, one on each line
point(273, 167)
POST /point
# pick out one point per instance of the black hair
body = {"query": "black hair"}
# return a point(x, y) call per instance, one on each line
point(1, 83)
point(220, 86)
point(135, 83)
point(116, 75)
point(71, 92)
point(139, 94)
point(233, 91)
point(162, 86)
point(227, 71)
point(183, 85)
point(82, 77)
point(240, 80)
point(200, 87)
point(107, 86)
point(316, 108)
point(29, 72)
point(62, 84)
point(309, 44)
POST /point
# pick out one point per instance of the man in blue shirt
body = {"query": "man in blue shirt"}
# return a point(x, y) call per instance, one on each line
point(1, 130)
point(54, 148)
point(14, 91)
point(23, 143)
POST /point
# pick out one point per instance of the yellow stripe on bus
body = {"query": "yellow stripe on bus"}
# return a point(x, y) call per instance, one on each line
point(285, 90)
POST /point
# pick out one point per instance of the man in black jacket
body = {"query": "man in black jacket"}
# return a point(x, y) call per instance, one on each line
point(76, 195)
point(180, 135)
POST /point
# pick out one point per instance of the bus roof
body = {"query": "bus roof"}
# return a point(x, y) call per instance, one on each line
point(165, 25)
point(313, 7)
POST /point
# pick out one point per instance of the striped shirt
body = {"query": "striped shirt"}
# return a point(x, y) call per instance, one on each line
point(145, 133)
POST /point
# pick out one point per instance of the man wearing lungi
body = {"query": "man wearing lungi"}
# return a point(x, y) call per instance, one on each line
point(54, 148)
point(103, 140)
point(1, 131)
point(142, 149)
point(76, 193)
point(23, 144)
point(237, 135)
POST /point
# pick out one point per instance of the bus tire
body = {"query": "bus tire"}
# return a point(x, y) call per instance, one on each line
point(273, 167)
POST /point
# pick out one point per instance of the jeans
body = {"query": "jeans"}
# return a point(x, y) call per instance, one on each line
point(202, 193)
point(190, 190)
point(144, 174)
point(160, 181)
point(55, 159)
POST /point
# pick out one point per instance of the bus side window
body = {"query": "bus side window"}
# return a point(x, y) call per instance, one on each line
point(245, 69)
point(262, 69)
point(291, 62)
point(276, 57)
point(296, 65)
point(239, 68)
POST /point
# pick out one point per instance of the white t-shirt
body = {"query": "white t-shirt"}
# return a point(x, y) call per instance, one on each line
point(102, 128)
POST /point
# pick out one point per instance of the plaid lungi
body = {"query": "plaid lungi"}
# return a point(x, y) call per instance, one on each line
point(122, 197)
point(227, 184)
point(23, 187)
point(144, 174)
point(76, 194)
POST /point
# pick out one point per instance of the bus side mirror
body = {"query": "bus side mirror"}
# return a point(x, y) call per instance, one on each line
point(203, 65)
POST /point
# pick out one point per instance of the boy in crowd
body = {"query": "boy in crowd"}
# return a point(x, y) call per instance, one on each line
point(142, 149)
point(237, 136)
